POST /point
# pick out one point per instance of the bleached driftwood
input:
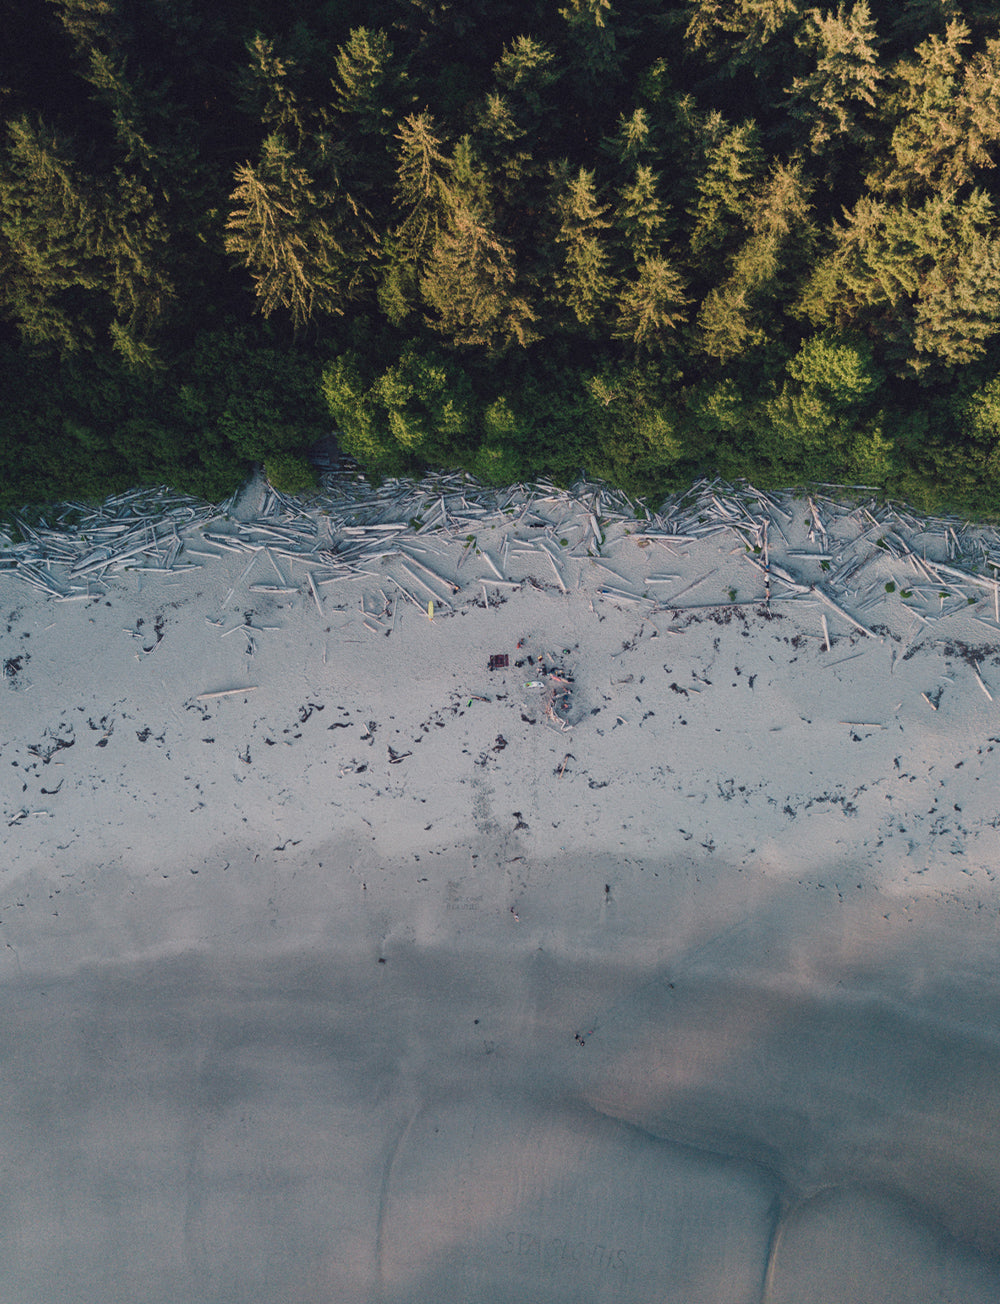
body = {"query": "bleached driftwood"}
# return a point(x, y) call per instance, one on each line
point(226, 692)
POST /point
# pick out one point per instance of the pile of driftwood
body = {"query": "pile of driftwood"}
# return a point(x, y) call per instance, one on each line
point(68, 552)
point(852, 553)
point(446, 537)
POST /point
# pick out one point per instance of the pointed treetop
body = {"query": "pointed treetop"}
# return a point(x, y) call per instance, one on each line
point(847, 76)
point(367, 84)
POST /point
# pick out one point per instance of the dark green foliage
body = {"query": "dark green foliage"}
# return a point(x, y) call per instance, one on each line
point(84, 428)
point(639, 429)
point(822, 419)
point(418, 409)
point(637, 240)
point(261, 400)
point(290, 473)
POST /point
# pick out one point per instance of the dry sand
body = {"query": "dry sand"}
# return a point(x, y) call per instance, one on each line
point(374, 985)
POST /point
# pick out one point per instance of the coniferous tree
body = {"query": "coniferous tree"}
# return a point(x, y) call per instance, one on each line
point(516, 172)
point(957, 307)
point(141, 289)
point(730, 175)
point(525, 73)
point(305, 238)
point(945, 114)
point(924, 281)
point(470, 281)
point(737, 174)
point(640, 216)
point(145, 164)
point(267, 90)
point(50, 239)
point(110, 244)
point(422, 172)
point(634, 136)
point(470, 286)
point(832, 99)
point(652, 306)
point(281, 227)
point(914, 20)
point(593, 40)
point(419, 201)
point(738, 32)
point(738, 313)
point(368, 86)
point(583, 279)
point(512, 126)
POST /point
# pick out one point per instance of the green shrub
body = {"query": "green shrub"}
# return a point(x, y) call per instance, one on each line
point(290, 473)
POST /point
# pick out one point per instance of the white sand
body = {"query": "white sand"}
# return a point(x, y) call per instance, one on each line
point(694, 1000)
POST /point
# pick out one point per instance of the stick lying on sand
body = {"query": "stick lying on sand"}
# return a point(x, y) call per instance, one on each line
point(841, 612)
point(226, 692)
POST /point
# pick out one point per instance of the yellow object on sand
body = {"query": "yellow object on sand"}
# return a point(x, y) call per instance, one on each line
point(430, 611)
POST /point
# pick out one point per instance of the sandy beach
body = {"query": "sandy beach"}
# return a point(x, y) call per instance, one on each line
point(657, 962)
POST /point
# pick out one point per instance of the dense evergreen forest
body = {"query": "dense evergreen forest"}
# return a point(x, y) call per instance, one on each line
point(636, 238)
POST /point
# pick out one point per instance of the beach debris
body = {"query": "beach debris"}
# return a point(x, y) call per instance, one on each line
point(824, 597)
point(688, 587)
point(11, 667)
point(499, 661)
point(315, 592)
point(226, 692)
point(446, 536)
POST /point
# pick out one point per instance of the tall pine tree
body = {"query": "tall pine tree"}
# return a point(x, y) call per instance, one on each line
point(640, 216)
point(744, 309)
point(304, 235)
point(470, 283)
point(652, 306)
point(728, 178)
point(833, 99)
point(283, 229)
point(51, 234)
point(922, 280)
point(583, 278)
point(419, 202)
point(943, 111)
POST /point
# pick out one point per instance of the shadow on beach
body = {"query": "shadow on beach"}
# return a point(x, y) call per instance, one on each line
point(750, 1108)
